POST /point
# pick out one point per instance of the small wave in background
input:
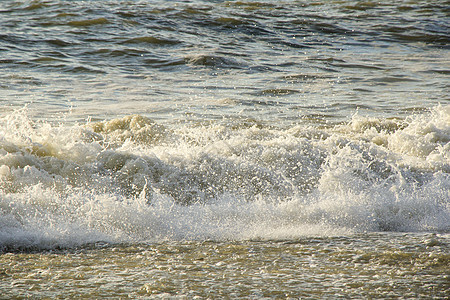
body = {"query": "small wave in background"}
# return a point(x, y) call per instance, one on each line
point(176, 61)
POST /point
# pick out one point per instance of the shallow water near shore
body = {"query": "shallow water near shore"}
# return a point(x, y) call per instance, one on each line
point(224, 149)
point(385, 265)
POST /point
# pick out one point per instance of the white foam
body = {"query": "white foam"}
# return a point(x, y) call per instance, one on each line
point(420, 141)
point(70, 185)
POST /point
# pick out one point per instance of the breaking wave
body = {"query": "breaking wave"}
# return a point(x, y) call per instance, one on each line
point(133, 180)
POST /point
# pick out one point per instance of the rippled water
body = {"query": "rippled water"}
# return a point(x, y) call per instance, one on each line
point(368, 266)
point(247, 149)
point(271, 60)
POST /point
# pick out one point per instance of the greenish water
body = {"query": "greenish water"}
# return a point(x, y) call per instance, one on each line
point(388, 265)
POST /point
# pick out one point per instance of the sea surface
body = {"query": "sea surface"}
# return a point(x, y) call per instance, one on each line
point(224, 149)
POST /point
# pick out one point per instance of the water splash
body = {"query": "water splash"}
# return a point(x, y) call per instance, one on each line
point(133, 180)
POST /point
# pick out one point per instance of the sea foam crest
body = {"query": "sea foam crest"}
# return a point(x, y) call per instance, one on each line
point(131, 179)
point(419, 141)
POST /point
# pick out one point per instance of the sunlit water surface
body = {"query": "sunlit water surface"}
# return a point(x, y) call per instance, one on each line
point(224, 149)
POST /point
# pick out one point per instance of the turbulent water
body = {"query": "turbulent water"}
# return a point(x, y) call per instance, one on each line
point(267, 149)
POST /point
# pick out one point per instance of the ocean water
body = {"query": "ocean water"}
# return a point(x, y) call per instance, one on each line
point(224, 149)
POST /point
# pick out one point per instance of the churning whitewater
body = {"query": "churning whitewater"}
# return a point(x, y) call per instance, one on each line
point(132, 179)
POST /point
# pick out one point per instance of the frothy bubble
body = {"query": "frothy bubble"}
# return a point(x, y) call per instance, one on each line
point(133, 180)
